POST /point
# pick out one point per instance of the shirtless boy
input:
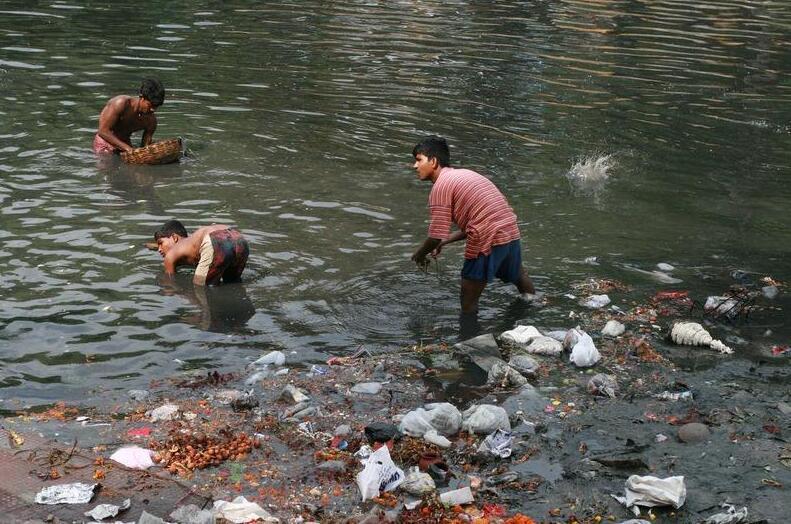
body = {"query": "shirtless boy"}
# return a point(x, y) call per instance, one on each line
point(123, 115)
point(217, 251)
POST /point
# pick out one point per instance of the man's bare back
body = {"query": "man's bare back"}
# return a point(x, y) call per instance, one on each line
point(186, 252)
point(218, 252)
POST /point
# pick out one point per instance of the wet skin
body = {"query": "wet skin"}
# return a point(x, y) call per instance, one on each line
point(124, 115)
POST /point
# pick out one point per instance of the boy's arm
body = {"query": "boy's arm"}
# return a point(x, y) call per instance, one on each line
point(169, 263)
point(455, 237)
point(429, 245)
point(107, 119)
point(148, 133)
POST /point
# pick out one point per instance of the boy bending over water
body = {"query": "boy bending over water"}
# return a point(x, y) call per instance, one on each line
point(483, 216)
point(123, 115)
point(218, 252)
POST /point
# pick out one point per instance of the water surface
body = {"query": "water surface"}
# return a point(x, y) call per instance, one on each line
point(299, 120)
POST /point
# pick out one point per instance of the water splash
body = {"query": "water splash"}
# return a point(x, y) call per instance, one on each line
point(590, 174)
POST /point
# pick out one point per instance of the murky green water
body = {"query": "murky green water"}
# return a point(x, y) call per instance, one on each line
point(300, 119)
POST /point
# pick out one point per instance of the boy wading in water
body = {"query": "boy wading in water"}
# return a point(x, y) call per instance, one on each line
point(217, 252)
point(123, 115)
point(483, 216)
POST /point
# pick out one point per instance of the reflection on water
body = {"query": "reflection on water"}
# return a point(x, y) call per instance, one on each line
point(302, 117)
point(221, 309)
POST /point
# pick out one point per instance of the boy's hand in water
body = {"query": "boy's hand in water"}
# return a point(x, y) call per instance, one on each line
point(436, 251)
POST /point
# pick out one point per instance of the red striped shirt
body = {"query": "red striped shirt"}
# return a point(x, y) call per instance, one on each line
point(474, 204)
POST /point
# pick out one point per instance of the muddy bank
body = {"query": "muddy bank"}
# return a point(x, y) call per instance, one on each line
point(290, 437)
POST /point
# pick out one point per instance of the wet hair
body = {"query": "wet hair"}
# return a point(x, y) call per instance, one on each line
point(433, 147)
point(151, 89)
point(170, 227)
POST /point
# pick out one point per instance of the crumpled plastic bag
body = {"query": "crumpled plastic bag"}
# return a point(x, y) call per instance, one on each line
point(133, 457)
point(165, 412)
point(443, 417)
point(484, 419)
point(497, 443)
point(595, 301)
point(240, 510)
point(520, 335)
point(503, 375)
point(584, 353)
point(192, 514)
point(435, 438)
point(74, 493)
point(603, 385)
point(651, 491)
point(380, 474)
point(544, 346)
point(104, 511)
point(418, 483)
point(730, 516)
point(278, 358)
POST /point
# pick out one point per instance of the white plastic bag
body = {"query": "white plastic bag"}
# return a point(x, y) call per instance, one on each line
point(584, 353)
point(485, 419)
point(241, 510)
point(133, 457)
point(497, 443)
point(729, 516)
point(443, 417)
point(418, 483)
point(278, 358)
point(544, 346)
point(380, 474)
point(595, 301)
point(520, 335)
point(652, 491)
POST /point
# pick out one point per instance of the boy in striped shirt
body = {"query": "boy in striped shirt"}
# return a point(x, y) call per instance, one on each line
point(483, 216)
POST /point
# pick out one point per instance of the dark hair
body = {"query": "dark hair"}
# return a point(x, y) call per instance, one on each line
point(433, 147)
point(151, 89)
point(170, 227)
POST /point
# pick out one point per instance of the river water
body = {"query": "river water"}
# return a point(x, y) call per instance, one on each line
point(299, 120)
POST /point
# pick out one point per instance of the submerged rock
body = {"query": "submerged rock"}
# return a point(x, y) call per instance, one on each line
point(482, 351)
point(693, 432)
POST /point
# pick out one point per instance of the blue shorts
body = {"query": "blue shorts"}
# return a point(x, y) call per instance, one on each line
point(504, 262)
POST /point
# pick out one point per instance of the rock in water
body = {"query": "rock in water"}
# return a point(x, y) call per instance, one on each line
point(693, 432)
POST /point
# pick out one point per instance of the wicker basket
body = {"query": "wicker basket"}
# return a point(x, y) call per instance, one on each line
point(163, 152)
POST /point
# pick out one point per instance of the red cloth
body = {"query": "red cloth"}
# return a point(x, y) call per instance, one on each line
point(100, 145)
point(476, 206)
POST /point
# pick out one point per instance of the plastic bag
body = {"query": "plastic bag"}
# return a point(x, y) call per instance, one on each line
point(380, 474)
point(443, 417)
point(278, 358)
point(544, 346)
point(729, 516)
point(133, 457)
point(603, 385)
point(652, 491)
point(418, 483)
point(520, 335)
point(595, 301)
point(241, 510)
point(485, 419)
point(497, 443)
point(503, 375)
point(584, 353)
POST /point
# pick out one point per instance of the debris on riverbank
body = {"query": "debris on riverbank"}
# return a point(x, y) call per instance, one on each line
point(541, 436)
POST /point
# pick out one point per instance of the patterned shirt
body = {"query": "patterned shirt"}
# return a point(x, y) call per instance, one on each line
point(474, 204)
